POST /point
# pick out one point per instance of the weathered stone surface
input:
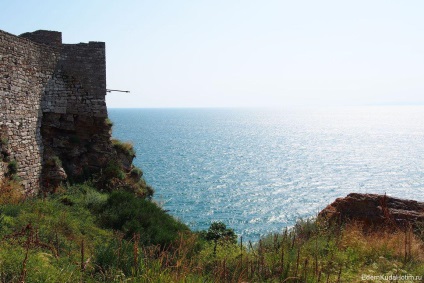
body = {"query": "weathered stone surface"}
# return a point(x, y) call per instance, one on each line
point(53, 116)
point(57, 175)
point(52, 99)
point(375, 210)
point(25, 69)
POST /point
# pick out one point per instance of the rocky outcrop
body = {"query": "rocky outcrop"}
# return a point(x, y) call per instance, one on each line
point(375, 211)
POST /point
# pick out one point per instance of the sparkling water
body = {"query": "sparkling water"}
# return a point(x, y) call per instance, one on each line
point(260, 170)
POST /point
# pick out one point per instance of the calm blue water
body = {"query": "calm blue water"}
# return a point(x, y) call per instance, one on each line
point(260, 170)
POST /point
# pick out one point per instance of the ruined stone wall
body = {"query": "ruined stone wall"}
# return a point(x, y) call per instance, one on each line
point(25, 69)
point(74, 124)
point(52, 107)
point(78, 84)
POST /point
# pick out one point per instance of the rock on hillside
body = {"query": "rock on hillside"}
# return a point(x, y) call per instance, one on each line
point(375, 210)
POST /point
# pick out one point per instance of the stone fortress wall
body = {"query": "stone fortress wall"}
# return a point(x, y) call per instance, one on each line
point(52, 108)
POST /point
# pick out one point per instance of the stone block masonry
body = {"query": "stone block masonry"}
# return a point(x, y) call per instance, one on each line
point(52, 107)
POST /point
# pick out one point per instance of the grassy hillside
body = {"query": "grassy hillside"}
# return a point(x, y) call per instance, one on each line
point(82, 235)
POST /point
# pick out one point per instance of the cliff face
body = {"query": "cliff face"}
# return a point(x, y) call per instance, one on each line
point(375, 211)
point(53, 116)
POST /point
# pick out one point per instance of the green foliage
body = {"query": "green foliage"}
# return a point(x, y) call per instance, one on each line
point(108, 122)
point(218, 231)
point(11, 190)
point(138, 187)
point(12, 168)
point(51, 232)
point(113, 170)
point(136, 172)
point(55, 161)
point(125, 212)
point(83, 235)
point(40, 266)
point(3, 142)
point(119, 256)
point(125, 147)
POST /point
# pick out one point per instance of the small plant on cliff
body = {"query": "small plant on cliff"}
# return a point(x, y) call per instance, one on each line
point(12, 169)
point(54, 161)
point(3, 142)
point(136, 172)
point(114, 170)
point(4, 154)
point(108, 122)
point(125, 147)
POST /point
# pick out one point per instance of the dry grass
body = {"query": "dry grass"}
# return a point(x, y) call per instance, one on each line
point(11, 192)
point(310, 252)
point(397, 242)
point(126, 147)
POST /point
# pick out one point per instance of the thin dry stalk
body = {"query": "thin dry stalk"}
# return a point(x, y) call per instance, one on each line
point(339, 275)
point(305, 269)
point(241, 252)
point(82, 256)
point(297, 263)
point(135, 250)
point(57, 245)
point(293, 241)
point(316, 256)
point(282, 259)
point(24, 263)
point(290, 278)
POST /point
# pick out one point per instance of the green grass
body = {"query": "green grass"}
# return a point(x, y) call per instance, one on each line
point(125, 212)
point(54, 161)
point(12, 168)
point(125, 147)
point(83, 235)
point(108, 122)
point(44, 239)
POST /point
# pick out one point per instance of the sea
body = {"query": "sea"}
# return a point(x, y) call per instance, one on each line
point(261, 170)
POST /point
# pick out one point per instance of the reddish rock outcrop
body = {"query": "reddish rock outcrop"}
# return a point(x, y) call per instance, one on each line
point(375, 211)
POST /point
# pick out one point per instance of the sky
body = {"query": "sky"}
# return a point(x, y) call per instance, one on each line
point(229, 53)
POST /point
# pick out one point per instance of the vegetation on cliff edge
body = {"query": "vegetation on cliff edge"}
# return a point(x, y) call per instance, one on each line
point(82, 235)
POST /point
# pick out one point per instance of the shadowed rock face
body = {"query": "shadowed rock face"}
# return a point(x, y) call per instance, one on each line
point(375, 211)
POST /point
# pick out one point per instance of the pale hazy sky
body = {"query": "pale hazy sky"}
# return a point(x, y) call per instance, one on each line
point(244, 53)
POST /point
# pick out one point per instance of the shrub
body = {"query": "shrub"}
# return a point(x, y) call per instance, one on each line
point(125, 147)
point(219, 231)
point(108, 122)
point(12, 168)
point(3, 142)
point(94, 200)
point(136, 172)
point(125, 212)
point(138, 187)
point(54, 161)
point(11, 192)
point(113, 170)
point(118, 255)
